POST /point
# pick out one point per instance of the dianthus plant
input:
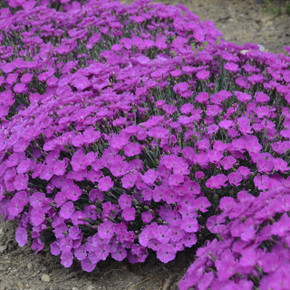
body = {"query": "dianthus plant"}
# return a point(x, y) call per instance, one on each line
point(129, 129)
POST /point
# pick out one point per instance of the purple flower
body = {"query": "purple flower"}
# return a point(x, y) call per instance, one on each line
point(78, 161)
point(106, 230)
point(21, 236)
point(243, 97)
point(67, 210)
point(26, 78)
point(105, 183)
point(17, 203)
point(129, 180)
point(203, 75)
point(146, 217)
point(120, 254)
point(232, 67)
point(37, 216)
point(202, 97)
point(244, 171)
point(119, 169)
point(20, 88)
point(213, 110)
point(66, 259)
point(95, 195)
point(166, 253)
point(128, 214)
point(132, 149)
point(88, 265)
point(228, 162)
point(150, 176)
point(199, 175)
point(261, 97)
point(217, 181)
point(125, 201)
point(175, 179)
point(226, 266)
point(235, 178)
point(281, 227)
point(54, 248)
point(190, 225)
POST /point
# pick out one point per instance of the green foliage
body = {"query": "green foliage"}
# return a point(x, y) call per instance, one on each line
point(277, 7)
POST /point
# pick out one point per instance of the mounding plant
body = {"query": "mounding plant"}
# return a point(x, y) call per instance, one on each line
point(129, 129)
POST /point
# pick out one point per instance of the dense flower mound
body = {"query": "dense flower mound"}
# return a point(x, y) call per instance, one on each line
point(134, 128)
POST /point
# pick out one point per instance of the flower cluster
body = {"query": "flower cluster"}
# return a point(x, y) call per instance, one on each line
point(134, 128)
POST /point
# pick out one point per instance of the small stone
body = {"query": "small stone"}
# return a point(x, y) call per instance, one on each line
point(1, 232)
point(3, 248)
point(2, 268)
point(91, 287)
point(20, 285)
point(261, 47)
point(45, 278)
point(29, 266)
point(74, 288)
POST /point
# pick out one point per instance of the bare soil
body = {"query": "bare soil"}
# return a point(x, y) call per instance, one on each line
point(240, 22)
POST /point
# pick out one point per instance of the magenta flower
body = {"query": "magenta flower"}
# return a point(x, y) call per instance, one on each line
point(199, 175)
point(128, 214)
point(190, 225)
point(146, 217)
point(213, 110)
point(232, 67)
point(243, 97)
point(87, 265)
point(81, 82)
point(66, 259)
point(129, 180)
point(132, 149)
point(80, 253)
point(158, 132)
point(216, 181)
point(119, 141)
point(166, 253)
point(203, 75)
point(78, 161)
point(261, 97)
point(244, 171)
point(17, 203)
point(105, 183)
point(125, 201)
point(106, 230)
point(120, 254)
point(186, 108)
point(226, 267)
point(21, 236)
point(175, 179)
point(38, 199)
point(235, 178)
point(54, 249)
point(67, 210)
point(20, 88)
point(226, 124)
point(281, 227)
point(150, 176)
point(181, 87)
point(119, 169)
point(26, 78)
point(202, 97)
point(21, 181)
point(37, 216)
point(228, 162)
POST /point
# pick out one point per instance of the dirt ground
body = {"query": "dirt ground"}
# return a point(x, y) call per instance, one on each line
point(240, 22)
